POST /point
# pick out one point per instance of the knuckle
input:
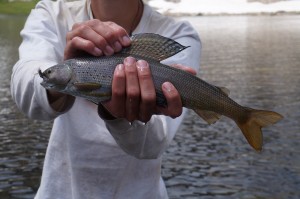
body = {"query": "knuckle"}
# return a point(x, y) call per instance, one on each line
point(109, 23)
point(109, 35)
point(89, 45)
point(100, 41)
point(120, 31)
point(130, 71)
point(145, 74)
point(119, 76)
point(149, 98)
point(74, 42)
point(93, 22)
point(133, 94)
point(79, 44)
point(118, 93)
point(69, 36)
point(82, 28)
point(75, 25)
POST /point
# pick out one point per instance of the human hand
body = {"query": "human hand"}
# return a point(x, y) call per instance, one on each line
point(134, 96)
point(93, 37)
point(96, 38)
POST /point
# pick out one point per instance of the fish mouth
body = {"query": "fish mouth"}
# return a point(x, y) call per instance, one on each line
point(45, 82)
point(42, 75)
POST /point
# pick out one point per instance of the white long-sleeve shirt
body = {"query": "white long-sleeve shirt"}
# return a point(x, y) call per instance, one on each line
point(86, 156)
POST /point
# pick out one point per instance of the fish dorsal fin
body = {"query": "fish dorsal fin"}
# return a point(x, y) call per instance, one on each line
point(209, 116)
point(153, 46)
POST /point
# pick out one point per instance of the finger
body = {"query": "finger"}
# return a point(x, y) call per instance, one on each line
point(147, 89)
point(185, 68)
point(116, 106)
point(132, 89)
point(114, 34)
point(88, 33)
point(174, 108)
point(122, 35)
point(78, 44)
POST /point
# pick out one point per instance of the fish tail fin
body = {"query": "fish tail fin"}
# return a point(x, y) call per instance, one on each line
point(255, 120)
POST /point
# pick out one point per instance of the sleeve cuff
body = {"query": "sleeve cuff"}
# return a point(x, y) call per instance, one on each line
point(143, 141)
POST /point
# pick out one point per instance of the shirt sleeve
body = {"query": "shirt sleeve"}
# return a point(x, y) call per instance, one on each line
point(41, 48)
point(150, 140)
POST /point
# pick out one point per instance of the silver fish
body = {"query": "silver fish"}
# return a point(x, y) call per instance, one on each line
point(91, 78)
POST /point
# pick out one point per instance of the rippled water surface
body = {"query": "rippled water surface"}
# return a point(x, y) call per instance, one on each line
point(256, 57)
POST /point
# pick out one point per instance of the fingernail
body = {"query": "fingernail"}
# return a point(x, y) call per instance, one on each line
point(141, 65)
point(126, 40)
point(120, 67)
point(129, 60)
point(109, 50)
point(117, 46)
point(97, 51)
point(168, 86)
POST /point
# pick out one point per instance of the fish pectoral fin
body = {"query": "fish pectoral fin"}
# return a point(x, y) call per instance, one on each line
point(209, 116)
point(86, 86)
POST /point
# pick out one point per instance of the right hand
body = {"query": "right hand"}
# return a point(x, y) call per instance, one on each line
point(96, 38)
point(134, 95)
point(93, 37)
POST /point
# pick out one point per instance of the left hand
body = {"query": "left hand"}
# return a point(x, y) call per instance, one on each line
point(134, 96)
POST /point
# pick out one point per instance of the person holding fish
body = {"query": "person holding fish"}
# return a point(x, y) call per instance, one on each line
point(116, 155)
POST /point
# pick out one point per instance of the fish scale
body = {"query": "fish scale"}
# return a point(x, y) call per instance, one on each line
point(91, 78)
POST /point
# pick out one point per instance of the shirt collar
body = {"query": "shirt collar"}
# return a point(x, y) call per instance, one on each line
point(89, 9)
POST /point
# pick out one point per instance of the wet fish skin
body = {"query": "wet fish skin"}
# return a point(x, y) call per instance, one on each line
point(91, 78)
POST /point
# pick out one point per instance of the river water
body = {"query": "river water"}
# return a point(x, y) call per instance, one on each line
point(256, 57)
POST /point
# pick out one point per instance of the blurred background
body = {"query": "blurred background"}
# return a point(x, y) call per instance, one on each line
point(251, 47)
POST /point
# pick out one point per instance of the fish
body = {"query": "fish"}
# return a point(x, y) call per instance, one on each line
point(91, 77)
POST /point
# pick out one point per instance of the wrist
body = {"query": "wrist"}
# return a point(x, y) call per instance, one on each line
point(60, 102)
point(104, 113)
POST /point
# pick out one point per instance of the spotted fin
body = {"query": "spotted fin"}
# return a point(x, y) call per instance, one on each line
point(153, 46)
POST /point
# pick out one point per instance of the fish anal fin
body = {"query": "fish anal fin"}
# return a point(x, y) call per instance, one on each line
point(209, 116)
point(153, 46)
point(251, 127)
point(87, 86)
point(225, 90)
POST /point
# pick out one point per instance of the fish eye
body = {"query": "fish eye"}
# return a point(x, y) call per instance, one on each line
point(49, 71)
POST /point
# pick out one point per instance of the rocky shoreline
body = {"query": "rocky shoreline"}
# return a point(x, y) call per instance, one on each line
point(220, 7)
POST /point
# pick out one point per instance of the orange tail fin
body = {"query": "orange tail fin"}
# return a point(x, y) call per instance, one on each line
point(251, 128)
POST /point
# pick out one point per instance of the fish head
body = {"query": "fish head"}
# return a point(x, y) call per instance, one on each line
point(56, 77)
